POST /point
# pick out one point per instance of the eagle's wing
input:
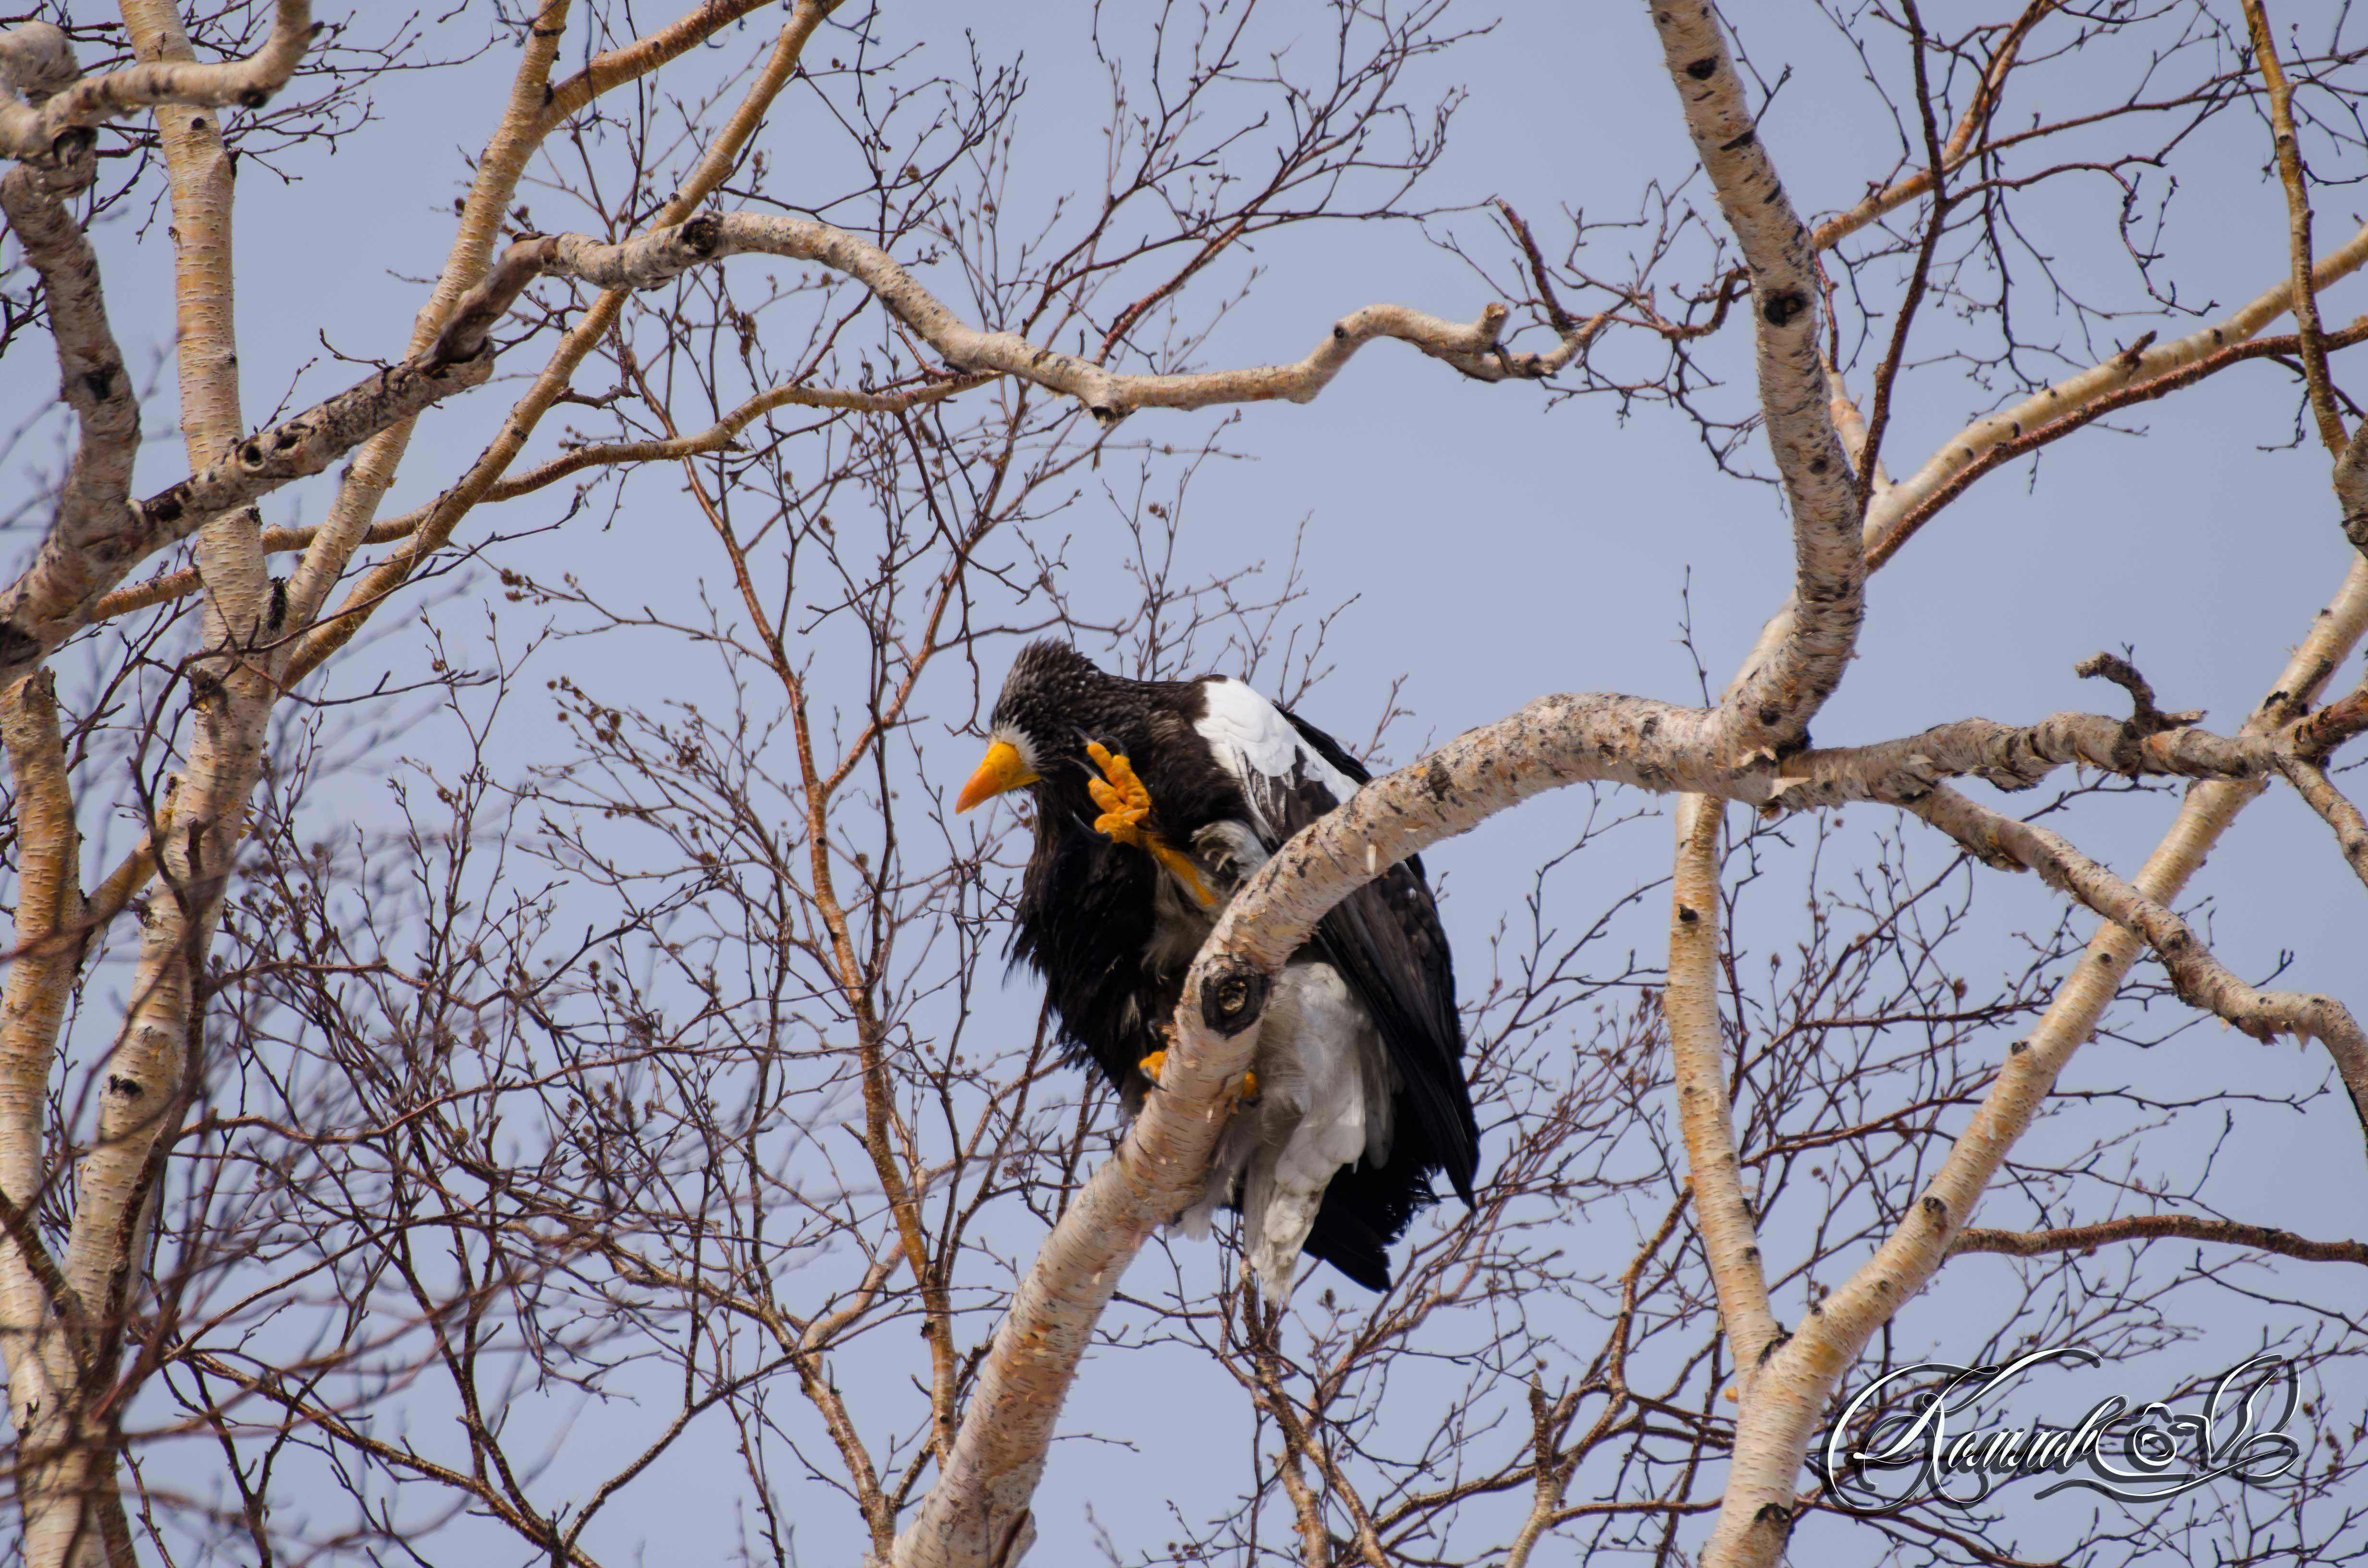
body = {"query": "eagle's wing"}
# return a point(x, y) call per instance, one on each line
point(1384, 939)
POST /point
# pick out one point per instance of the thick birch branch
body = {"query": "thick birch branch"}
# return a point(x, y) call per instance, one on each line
point(1773, 1433)
point(2318, 792)
point(26, 132)
point(80, 1513)
point(35, 61)
point(1782, 1409)
point(1776, 697)
point(1107, 395)
point(202, 178)
point(94, 545)
point(2149, 744)
point(82, 555)
point(40, 979)
point(44, 1329)
point(1799, 659)
point(2156, 1227)
point(978, 1513)
point(2143, 372)
point(1723, 1211)
point(2199, 979)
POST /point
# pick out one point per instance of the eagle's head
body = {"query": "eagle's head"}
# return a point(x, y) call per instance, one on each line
point(1054, 702)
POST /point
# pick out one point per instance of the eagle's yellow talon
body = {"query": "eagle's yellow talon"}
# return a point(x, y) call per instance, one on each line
point(1151, 1065)
point(1119, 794)
point(1125, 804)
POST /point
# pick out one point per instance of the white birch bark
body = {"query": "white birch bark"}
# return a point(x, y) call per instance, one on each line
point(44, 1330)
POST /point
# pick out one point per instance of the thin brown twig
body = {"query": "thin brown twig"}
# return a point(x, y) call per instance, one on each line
point(2292, 175)
point(2156, 1227)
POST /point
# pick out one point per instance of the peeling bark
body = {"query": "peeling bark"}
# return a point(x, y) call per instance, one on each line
point(84, 551)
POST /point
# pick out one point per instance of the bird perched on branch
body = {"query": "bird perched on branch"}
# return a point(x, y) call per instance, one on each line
point(1154, 802)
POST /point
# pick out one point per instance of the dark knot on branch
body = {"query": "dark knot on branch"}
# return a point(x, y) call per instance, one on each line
point(1232, 994)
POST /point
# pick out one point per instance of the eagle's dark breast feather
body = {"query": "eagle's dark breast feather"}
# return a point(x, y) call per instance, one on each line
point(1087, 906)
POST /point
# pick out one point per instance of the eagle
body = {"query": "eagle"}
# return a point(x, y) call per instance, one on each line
point(1154, 802)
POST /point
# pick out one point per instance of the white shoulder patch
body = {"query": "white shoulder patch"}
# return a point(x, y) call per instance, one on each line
point(1250, 734)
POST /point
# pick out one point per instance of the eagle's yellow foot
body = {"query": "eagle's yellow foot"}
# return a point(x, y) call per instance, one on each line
point(1125, 804)
point(1150, 1066)
point(1124, 799)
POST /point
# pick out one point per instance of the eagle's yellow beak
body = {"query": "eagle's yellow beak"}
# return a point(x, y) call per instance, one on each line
point(1003, 768)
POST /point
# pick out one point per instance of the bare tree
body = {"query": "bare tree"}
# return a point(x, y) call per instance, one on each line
point(645, 1083)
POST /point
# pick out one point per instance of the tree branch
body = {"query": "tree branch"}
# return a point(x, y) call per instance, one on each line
point(2289, 175)
point(1108, 396)
point(513, 140)
point(1900, 526)
point(2155, 1227)
point(718, 437)
point(49, 901)
point(43, 607)
point(1723, 1211)
point(978, 1512)
point(1960, 147)
point(614, 67)
point(1775, 697)
point(2201, 980)
point(26, 133)
point(2319, 792)
point(81, 555)
point(2149, 744)
point(1804, 1369)
point(2142, 362)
